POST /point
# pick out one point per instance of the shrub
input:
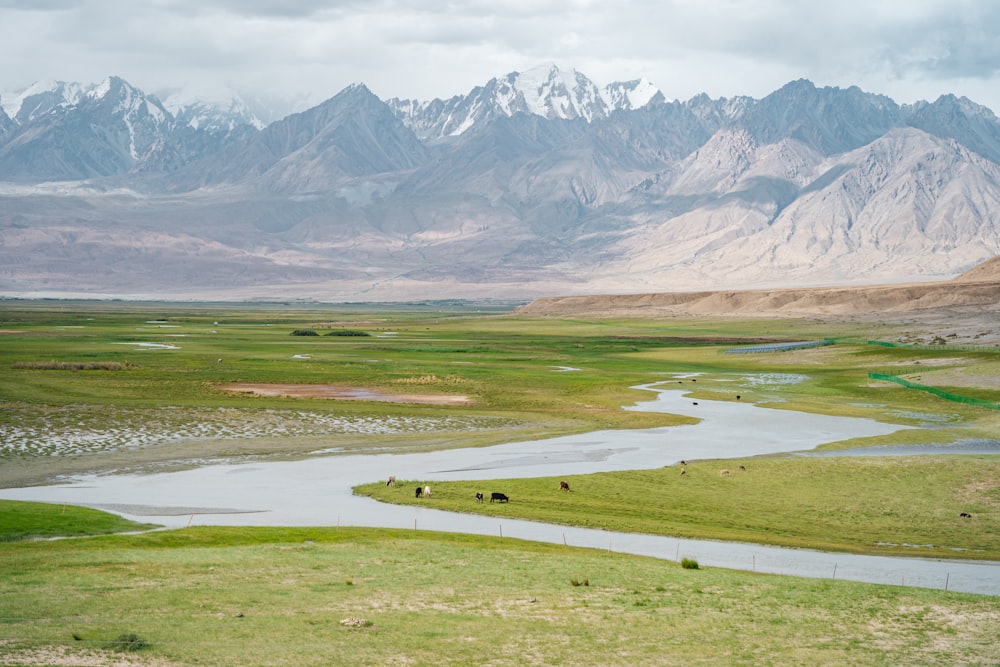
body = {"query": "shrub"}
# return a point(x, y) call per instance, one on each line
point(69, 365)
point(578, 582)
point(304, 332)
point(689, 563)
point(348, 332)
point(128, 641)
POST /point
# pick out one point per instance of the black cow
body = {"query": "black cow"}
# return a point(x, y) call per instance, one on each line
point(420, 491)
point(479, 496)
point(965, 515)
point(498, 497)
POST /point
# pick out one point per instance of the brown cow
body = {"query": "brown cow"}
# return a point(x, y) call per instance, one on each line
point(564, 486)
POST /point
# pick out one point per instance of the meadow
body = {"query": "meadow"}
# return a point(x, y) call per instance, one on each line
point(268, 596)
point(114, 386)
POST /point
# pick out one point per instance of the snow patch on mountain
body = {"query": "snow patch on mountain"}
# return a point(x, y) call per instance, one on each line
point(39, 98)
point(216, 108)
point(545, 91)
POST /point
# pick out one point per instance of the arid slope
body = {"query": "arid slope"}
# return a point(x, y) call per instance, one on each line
point(969, 302)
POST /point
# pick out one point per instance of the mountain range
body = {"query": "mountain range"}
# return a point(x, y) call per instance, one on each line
point(535, 183)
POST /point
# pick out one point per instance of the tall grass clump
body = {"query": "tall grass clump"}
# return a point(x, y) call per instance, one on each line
point(128, 642)
point(70, 366)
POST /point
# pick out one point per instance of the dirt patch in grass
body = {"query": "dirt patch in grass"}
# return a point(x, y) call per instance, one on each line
point(946, 361)
point(977, 377)
point(343, 393)
point(50, 656)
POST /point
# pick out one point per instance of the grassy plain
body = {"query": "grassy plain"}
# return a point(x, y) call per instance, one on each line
point(115, 386)
point(33, 521)
point(265, 596)
point(904, 506)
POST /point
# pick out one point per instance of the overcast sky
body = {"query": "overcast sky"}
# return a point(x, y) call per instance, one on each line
point(312, 49)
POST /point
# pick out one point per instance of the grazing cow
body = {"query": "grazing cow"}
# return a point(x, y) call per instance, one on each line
point(427, 492)
point(498, 497)
point(737, 397)
point(683, 472)
point(725, 472)
point(684, 463)
point(479, 496)
point(965, 515)
point(420, 491)
point(391, 481)
point(743, 468)
point(564, 486)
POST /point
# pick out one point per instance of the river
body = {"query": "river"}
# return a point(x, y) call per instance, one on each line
point(317, 491)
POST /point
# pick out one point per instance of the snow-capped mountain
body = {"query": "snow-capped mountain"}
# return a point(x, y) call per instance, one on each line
point(68, 131)
point(544, 91)
point(40, 98)
point(214, 110)
point(534, 183)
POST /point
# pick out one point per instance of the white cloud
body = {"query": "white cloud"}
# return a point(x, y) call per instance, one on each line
point(913, 49)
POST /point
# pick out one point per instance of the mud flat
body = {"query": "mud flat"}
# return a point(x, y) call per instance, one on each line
point(342, 393)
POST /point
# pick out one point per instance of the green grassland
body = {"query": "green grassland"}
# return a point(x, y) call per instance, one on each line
point(903, 506)
point(33, 521)
point(267, 596)
point(79, 393)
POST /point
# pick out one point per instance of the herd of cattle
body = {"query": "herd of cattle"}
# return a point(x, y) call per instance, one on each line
point(495, 497)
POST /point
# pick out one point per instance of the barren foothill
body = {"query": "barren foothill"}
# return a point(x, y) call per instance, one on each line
point(964, 310)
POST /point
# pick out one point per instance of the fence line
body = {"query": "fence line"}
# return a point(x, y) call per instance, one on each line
point(944, 347)
point(779, 347)
point(940, 393)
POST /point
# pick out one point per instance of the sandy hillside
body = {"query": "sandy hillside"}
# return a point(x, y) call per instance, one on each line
point(968, 305)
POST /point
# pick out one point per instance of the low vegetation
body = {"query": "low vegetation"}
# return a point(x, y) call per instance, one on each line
point(68, 366)
point(31, 521)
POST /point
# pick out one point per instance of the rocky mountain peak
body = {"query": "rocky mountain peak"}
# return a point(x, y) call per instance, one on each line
point(546, 91)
